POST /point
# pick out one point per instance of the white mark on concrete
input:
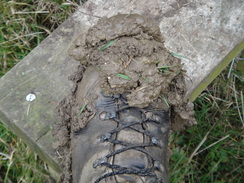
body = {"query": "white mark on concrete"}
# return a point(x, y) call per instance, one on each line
point(13, 90)
point(30, 97)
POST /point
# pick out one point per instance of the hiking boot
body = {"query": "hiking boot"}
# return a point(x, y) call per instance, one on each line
point(119, 143)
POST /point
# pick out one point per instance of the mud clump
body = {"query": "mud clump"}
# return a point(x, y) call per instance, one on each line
point(129, 53)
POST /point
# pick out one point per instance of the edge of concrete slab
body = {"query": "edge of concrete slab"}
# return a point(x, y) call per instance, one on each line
point(32, 144)
point(215, 72)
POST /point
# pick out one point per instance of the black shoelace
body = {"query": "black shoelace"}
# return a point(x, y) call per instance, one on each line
point(117, 169)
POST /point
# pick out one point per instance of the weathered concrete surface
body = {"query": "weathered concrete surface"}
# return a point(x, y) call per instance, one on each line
point(207, 33)
point(44, 72)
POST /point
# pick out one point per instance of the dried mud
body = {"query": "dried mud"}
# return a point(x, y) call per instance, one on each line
point(129, 53)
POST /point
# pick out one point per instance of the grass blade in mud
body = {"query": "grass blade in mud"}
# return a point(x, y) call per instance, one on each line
point(165, 67)
point(147, 80)
point(82, 109)
point(166, 102)
point(177, 55)
point(181, 56)
point(106, 45)
point(123, 76)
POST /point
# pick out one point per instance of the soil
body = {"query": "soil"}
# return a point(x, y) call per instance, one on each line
point(129, 53)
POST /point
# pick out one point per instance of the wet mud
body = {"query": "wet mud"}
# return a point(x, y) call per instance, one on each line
point(129, 53)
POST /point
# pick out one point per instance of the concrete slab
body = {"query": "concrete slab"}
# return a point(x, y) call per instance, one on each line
point(205, 34)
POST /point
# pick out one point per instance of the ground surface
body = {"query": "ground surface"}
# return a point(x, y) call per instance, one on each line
point(216, 109)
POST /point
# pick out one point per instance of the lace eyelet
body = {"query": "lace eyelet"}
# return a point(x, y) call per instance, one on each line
point(104, 137)
point(99, 162)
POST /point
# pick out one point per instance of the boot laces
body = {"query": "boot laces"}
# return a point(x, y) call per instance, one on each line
point(147, 117)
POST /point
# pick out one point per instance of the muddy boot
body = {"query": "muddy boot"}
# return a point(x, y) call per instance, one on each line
point(120, 143)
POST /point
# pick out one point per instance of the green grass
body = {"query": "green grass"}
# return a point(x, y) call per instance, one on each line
point(216, 109)
point(24, 24)
point(18, 162)
point(213, 150)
